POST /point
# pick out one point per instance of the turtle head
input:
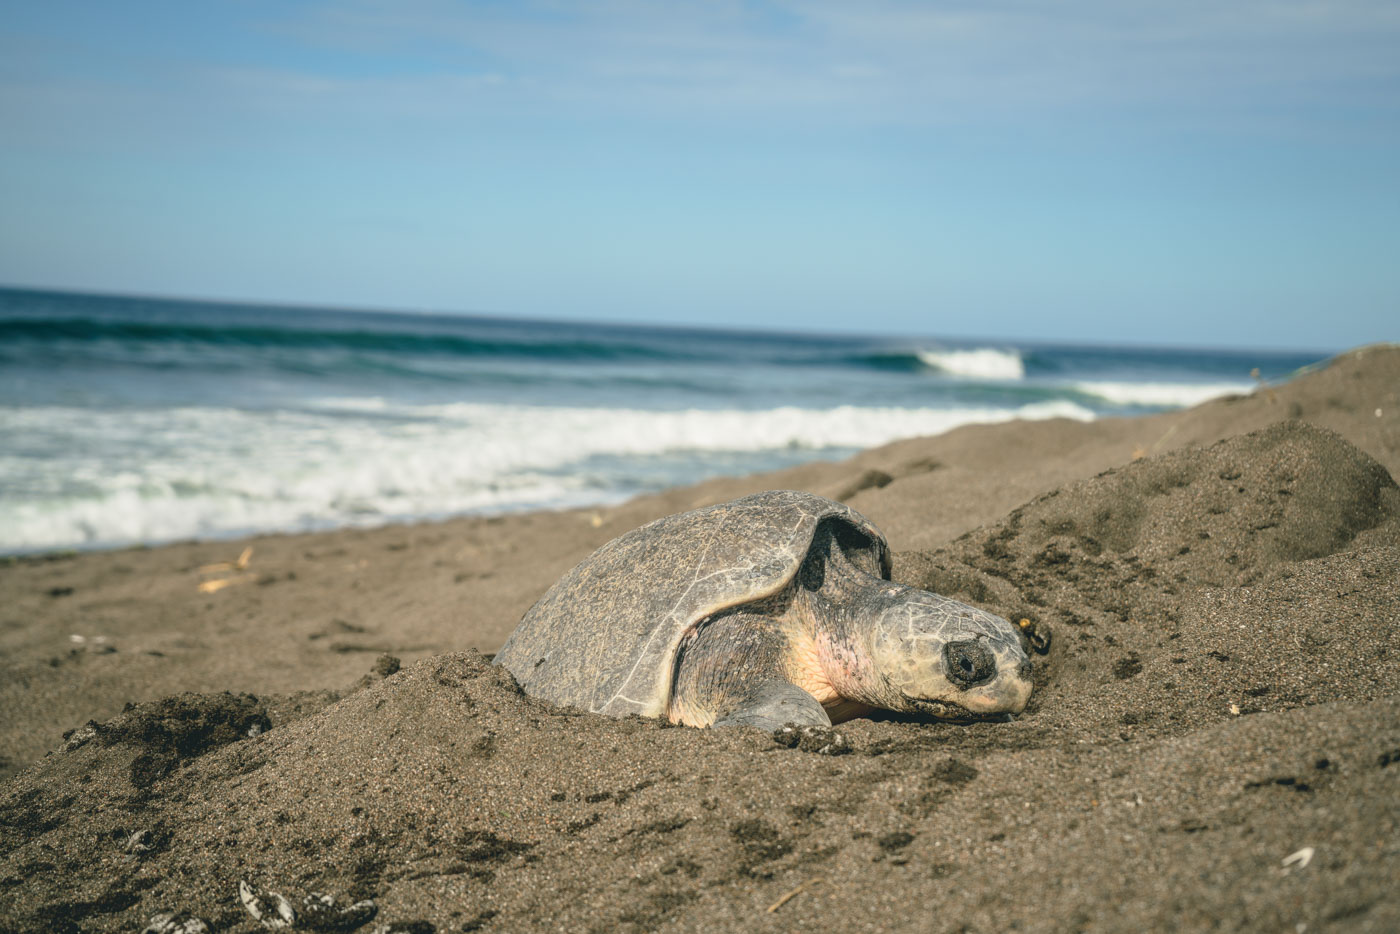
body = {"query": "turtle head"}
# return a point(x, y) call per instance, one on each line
point(940, 657)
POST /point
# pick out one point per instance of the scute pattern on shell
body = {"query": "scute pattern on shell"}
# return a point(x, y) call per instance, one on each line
point(604, 637)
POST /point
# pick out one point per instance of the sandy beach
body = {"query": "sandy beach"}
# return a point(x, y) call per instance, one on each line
point(1213, 742)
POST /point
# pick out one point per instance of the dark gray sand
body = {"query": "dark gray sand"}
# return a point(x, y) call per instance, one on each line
point(1214, 741)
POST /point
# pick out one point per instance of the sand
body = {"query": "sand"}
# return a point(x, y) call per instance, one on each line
point(1213, 743)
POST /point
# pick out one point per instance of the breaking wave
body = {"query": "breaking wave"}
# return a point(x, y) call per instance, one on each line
point(123, 477)
point(1163, 395)
point(982, 363)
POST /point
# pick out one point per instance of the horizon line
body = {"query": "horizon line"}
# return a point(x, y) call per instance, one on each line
point(508, 318)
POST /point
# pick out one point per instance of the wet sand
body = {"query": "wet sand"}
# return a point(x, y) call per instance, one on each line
point(1214, 740)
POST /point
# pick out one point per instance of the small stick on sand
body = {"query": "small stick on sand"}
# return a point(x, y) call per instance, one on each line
point(215, 586)
point(238, 565)
point(791, 895)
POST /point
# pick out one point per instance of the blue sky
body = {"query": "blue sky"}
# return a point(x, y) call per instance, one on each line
point(1196, 173)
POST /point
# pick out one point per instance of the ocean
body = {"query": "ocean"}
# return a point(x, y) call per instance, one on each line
point(130, 421)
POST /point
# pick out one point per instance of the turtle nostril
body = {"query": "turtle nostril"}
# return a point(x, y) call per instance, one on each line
point(968, 663)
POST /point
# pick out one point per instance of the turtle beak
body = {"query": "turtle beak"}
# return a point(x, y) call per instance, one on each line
point(949, 712)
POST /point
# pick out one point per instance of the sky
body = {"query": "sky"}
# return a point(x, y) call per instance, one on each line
point(1185, 172)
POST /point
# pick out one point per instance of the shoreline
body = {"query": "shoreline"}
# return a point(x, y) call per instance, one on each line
point(161, 424)
point(1194, 566)
point(612, 501)
point(970, 475)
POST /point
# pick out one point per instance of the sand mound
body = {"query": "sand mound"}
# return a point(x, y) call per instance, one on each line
point(1214, 742)
point(1179, 585)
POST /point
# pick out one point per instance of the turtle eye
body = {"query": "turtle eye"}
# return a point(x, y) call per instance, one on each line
point(968, 663)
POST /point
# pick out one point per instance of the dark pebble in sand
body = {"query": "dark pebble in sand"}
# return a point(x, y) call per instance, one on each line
point(898, 840)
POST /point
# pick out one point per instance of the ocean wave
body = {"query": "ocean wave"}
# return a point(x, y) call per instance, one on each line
point(89, 478)
point(981, 363)
point(568, 431)
point(1160, 395)
point(96, 331)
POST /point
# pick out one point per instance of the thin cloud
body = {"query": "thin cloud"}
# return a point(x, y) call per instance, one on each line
point(908, 63)
point(799, 63)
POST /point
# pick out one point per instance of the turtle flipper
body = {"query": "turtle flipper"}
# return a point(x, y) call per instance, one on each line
point(773, 704)
point(730, 672)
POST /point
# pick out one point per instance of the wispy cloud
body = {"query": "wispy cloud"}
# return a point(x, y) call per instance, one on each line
point(781, 63)
point(887, 60)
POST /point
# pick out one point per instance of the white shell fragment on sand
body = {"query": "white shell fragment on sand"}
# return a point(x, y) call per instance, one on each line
point(269, 909)
point(175, 922)
point(97, 645)
point(142, 841)
point(318, 912)
point(1299, 859)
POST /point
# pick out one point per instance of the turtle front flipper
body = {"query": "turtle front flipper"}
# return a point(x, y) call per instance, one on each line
point(730, 671)
point(774, 704)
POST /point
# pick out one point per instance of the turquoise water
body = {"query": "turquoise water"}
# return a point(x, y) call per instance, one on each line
point(137, 420)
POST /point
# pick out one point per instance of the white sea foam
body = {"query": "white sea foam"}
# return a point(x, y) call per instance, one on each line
point(1171, 395)
point(982, 363)
point(89, 478)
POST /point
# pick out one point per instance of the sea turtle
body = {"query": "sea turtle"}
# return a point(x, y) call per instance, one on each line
point(772, 609)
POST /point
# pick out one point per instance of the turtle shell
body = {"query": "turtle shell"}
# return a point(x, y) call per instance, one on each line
point(604, 638)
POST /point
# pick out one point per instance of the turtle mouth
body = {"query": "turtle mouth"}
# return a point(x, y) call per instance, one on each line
point(949, 711)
